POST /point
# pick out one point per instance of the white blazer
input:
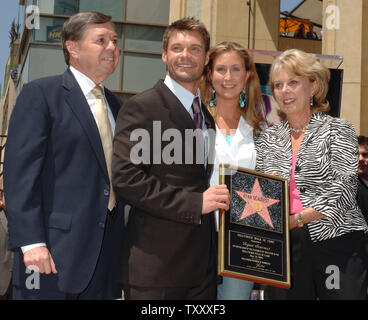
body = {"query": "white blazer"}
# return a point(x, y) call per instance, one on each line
point(241, 152)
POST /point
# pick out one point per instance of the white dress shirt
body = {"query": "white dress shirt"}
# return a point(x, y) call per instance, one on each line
point(186, 98)
point(240, 153)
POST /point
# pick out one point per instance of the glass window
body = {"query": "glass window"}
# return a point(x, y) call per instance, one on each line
point(112, 8)
point(45, 61)
point(141, 38)
point(141, 71)
point(24, 73)
point(50, 30)
point(66, 7)
point(152, 11)
point(49, 60)
point(119, 30)
point(140, 65)
point(45, 6)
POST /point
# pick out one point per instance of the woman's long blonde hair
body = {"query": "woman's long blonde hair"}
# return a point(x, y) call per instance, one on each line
point(250, 113)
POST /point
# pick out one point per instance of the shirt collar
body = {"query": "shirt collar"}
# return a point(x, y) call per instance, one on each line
point(85, 83)
point(184, 95)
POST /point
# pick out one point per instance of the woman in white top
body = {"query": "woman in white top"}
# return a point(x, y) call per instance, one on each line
point(231, 91)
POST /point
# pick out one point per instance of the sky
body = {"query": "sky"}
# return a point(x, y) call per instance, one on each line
point(288, 5)
point(8, 12)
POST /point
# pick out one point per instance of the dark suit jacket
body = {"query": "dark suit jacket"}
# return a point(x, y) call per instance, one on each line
point(169, 242)
point(56, 181)
point(362, 198)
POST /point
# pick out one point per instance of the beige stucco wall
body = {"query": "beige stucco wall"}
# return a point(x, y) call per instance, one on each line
point(311, 46)
point(2, 103)
point(7, 105)
point(177, 10)
point(348, 38)
point(364, 88)
point(266, 25)
point(227, 20)
point(232, 23)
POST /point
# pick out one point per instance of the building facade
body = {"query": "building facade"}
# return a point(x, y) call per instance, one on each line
point(256, 25)
point(140, 25)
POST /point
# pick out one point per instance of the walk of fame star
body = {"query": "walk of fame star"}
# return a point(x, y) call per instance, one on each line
point(257, 203)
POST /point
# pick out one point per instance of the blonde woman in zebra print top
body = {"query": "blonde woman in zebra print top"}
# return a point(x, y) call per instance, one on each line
point(319, 156)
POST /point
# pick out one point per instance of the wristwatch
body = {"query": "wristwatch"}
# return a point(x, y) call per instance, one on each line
point(300, 219)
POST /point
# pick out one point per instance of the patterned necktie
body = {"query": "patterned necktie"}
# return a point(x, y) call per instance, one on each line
point(197, 113)
point(104, 127)
point(197, 118)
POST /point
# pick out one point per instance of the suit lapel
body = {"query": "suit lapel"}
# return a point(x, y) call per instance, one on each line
point(283, 138)
point(76, 100)
point(113, 103)
point(182, 119)
point(178, 114)
point(282, 142)
point(315, 123)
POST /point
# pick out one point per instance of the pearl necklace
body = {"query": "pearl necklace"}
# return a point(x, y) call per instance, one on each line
point(298, 130)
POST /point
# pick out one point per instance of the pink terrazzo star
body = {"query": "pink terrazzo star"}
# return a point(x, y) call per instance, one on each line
point(257, 203)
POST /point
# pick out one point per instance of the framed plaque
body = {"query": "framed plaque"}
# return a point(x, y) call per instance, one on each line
point(254, 232)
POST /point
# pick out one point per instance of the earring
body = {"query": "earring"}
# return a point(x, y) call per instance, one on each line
point(213, 101)
point(243, 100)
point(311, 101)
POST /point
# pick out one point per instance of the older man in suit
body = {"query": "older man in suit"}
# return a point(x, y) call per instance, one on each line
point(65, 223)
point(171, 238)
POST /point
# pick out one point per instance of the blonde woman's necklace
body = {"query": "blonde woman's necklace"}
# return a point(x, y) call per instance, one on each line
point(298, 130)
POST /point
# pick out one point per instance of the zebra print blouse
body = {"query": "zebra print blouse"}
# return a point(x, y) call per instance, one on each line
point(326, 171)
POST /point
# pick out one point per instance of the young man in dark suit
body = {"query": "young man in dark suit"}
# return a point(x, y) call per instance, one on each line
point(65, 223)
point(171, 239)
